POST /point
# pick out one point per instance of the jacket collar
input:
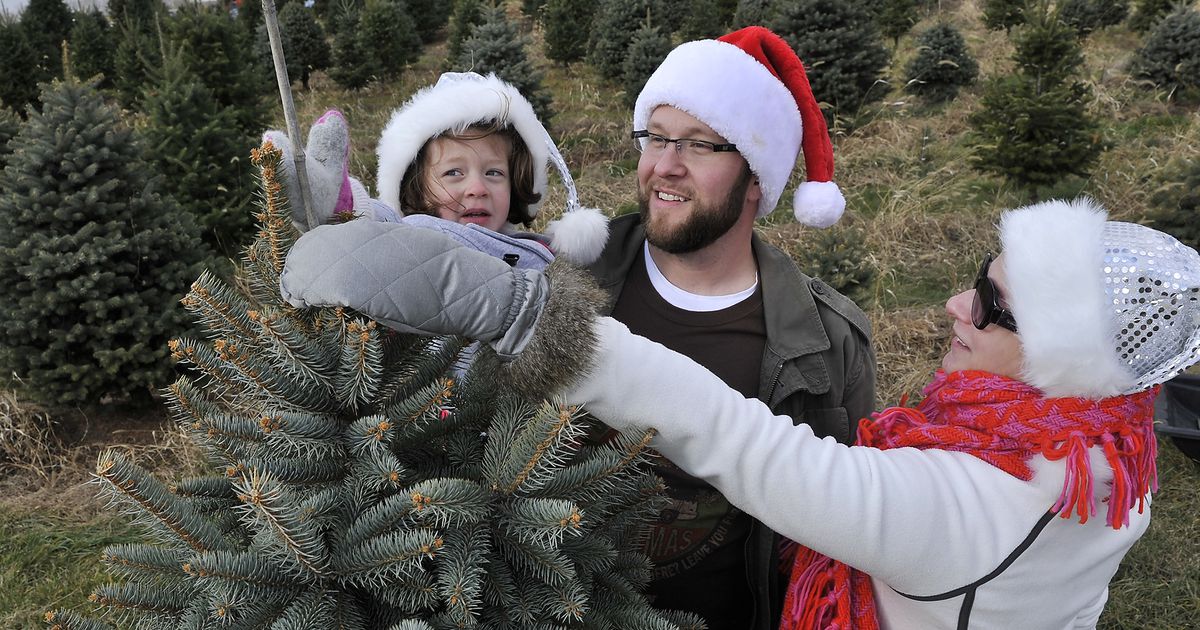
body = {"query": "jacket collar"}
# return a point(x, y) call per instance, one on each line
point(794, 325)
point(796, 337)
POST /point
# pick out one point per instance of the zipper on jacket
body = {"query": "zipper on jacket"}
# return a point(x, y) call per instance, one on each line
point(774, 384)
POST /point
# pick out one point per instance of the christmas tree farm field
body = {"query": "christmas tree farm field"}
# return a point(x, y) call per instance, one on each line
point(919, 219)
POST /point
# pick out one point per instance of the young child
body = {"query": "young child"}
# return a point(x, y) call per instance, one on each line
point(468, 150)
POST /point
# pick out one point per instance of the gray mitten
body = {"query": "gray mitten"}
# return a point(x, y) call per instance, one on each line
point(327, 156)
point(420, 281)
point(415, 280)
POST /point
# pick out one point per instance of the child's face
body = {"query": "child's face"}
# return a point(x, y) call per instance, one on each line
point(470, 180)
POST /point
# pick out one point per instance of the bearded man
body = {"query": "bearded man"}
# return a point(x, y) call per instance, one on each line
point(720, 125)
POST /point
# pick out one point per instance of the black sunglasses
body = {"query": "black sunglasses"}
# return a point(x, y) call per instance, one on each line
point(986, 308)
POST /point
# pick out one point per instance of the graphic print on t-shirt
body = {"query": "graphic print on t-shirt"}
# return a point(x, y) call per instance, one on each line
point(697, 522)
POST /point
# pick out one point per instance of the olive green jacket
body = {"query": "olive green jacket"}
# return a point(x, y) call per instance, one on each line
point(818, 366)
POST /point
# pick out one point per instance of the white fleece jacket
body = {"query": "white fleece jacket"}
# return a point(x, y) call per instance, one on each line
point(923, 524)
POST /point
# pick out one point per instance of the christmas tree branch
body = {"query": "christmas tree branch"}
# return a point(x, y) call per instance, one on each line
point(133, 486)
point(276, 233)
point(217, 307)
point(266, 504)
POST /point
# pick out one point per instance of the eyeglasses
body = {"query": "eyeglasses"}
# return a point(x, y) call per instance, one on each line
point(654, 145)
point(986, 308)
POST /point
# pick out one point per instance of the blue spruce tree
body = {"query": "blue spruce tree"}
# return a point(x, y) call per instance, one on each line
point(358, 482)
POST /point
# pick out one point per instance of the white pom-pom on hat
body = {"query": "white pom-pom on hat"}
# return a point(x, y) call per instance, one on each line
point(819, 204)
point(579, 236)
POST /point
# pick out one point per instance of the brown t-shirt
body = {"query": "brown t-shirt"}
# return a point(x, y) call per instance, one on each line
point(698, 543)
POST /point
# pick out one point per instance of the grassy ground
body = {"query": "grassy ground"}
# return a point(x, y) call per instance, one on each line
point(924, 219)
point(49, 562)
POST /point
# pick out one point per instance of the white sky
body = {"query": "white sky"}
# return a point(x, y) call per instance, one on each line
point(14, 7)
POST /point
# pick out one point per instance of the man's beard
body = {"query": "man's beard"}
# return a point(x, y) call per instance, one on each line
point(702, 228)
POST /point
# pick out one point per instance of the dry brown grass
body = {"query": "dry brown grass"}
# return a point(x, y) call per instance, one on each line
point(27, 438)
point(46, 455)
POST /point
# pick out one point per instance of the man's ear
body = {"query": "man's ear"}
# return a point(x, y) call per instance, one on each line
point(753, 195)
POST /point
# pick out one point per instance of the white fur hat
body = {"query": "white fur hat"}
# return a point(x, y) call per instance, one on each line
point(455, 102)
point(1102, 307)
point(750, 87)
point(461, 99)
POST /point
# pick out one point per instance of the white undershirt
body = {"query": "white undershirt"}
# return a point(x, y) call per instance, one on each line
point(690, 301)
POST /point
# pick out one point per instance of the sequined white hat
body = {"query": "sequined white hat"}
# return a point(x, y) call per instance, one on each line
point(1102, 307)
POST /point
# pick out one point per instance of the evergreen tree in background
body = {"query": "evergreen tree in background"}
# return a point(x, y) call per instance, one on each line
point(611, 35)
point(1047, 49)
point(565, 23)
point(1033, 127)
point(840, 257)
point(220, 54)
point(47, 24)
point(93, 261)
point(194, 143)
point(18, 86)
point(354, 65)
point(896, 18)
point(1087, 16)
point(304, 47)
point(669, 15)
point(841, 51)
point(1149, 12)
point(942, 66)
point(138, 51)
point(1110, 12)
point(250, 16)
point(753, 13)
point(648, 49)
point(467, 15)
point(497, 46)
point(430, 17)
point(388, 33)
point(10, 124)
point(1178, 202)
point(533, 8)
point(1003, 15)
point(725, 11)
point(1034, 136)
point(358, 483)
point(1170, 55)
point(701, 21)
point(141, 12)
point(92, 45)
point(138, 48)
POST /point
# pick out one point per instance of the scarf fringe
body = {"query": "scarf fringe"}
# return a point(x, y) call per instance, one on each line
point(1077, 491)
point(826, 594)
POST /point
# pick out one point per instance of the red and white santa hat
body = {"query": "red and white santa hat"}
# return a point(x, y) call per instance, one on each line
point(751, 88)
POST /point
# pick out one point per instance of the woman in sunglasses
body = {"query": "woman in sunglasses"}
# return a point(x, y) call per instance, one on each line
point(1005, 499)
point(1009, 495)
